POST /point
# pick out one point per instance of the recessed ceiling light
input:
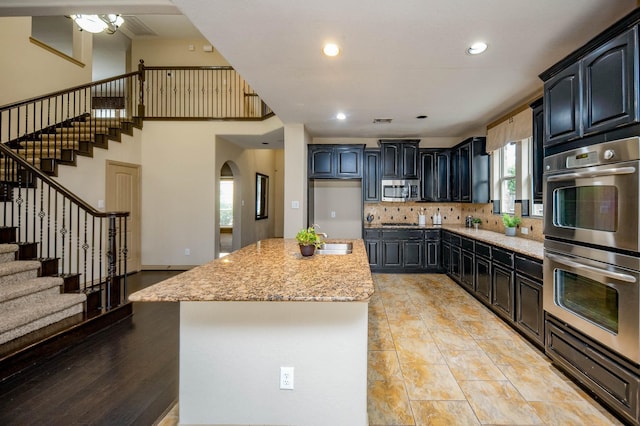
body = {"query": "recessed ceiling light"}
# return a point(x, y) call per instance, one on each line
point(341, 116)
point(477, 48)
point(331, 49)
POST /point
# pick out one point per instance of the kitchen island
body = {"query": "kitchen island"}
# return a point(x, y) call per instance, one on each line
point(263, 307)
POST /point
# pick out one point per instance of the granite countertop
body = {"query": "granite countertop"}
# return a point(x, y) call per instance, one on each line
point(523, 246)
point(270, 270)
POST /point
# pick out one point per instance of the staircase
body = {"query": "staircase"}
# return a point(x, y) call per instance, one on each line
point(32, 306)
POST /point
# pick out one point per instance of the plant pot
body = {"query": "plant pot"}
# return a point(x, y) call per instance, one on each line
point(510, 232)
point(307, 250)
point(476, 225)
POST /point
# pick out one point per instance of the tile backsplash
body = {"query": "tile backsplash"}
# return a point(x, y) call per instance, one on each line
point(452, 214)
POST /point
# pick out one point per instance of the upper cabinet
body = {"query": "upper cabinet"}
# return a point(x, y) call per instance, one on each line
point(335, 161)
point(595, 89)
point(537, 151)
point(399, 159)
point(470, 171)
point(371, 176)
point(435, 180)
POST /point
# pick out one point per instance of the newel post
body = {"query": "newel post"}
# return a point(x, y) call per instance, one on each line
point(141, 79)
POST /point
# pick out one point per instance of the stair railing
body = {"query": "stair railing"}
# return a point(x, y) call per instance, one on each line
point(85, 241)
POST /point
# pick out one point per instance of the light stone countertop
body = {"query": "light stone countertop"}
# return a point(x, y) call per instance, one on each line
point(527, 247)
point(270, 270)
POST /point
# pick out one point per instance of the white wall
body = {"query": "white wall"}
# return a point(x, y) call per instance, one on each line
point(29, 70)
point(180, 169)
point(344, 197)
point(163, 52)
point(296, 140)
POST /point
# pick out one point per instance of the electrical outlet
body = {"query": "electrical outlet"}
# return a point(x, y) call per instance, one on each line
point(187, 252)
point(524, 230)
point(286, 378)
point(333, 214)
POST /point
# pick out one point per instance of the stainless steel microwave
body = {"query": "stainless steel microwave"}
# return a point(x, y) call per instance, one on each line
point(400, 190)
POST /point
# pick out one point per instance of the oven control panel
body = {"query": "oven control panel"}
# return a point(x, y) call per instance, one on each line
point(583, 159)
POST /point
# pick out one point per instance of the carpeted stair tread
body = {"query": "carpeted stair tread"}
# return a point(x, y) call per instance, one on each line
point(20, 317)
point(8, 248)
point(30, 287)
point(17, 266)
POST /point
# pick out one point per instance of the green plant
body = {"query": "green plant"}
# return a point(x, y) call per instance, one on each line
point(476, 220)
point(308, 237)
point(510, 221)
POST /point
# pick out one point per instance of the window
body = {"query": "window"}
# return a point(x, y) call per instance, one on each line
point(226, 203)
point(507, 178)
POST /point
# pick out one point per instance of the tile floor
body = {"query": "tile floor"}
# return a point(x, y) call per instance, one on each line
point(437, 356)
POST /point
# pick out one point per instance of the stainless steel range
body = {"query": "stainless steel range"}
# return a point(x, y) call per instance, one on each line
point(592, 242)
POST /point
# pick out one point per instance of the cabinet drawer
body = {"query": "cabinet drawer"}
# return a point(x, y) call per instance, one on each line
point(402, 234)
point(530, 267)
point(372, 234)
point(467, 244)
point(432, 234)
point(456, 240)
point(483, 250)
point(502, 256)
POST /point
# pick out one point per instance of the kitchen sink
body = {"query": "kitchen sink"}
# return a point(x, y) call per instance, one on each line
point(335, 248)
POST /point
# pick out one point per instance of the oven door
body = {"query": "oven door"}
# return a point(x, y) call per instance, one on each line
point(595, 205)
point(596, 298)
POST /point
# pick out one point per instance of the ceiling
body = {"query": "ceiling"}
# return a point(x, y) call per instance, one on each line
point(399, 59)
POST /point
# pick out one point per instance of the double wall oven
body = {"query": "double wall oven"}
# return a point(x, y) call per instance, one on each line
point(592, 242)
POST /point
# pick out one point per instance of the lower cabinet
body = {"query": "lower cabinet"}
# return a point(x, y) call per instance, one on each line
point(502, 291)
point(403, 250)
point(529, 309)
point(482, 277)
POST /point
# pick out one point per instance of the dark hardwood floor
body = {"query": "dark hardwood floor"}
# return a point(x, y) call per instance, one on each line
point(124, 375)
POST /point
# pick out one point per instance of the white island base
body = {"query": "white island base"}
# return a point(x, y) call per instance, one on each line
point(231, 354)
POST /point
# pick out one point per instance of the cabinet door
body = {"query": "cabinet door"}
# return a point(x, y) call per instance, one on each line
point(446, 257)
point(537, 150)
point(455, 175)
point(409, 159)
point(443, 176)
point(502, 291)
point(529, 312)
point(390, 160)
point(321, 164)
point(483, 278)
point(456, 260)
point(464, 173)
point(371, 176)
point(428, 177)
point(348, 162)
point(563, 106)
point(467, 269)
point(373, 252)
point(391, 254)
point(610, 94)
point(412, 254)
point(432, 255)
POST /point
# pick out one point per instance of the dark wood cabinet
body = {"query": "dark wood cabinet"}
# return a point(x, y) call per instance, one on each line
point(483, 279)
point(399, 159)
point(593, 90)
point(335, 161)
point(435, 175)
point(373, 246)
point(432, 243)
point(502, 291)
point(563, 106)
point(467, 270)
point(537, 150)
point(470, 171)
point(529, 315)
point(392, 254)
point(610, 79)
point(371, 175)
point(412, 254)
point(456, 261)
point(446, 256)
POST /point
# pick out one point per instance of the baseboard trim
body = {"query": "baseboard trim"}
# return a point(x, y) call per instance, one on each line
point(167, 267)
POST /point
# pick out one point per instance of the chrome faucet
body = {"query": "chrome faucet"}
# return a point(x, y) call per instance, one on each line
point(324, 234)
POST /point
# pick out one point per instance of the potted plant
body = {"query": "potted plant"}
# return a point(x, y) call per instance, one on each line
point(308, 240)
point(510, 223)
point(476, 222)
